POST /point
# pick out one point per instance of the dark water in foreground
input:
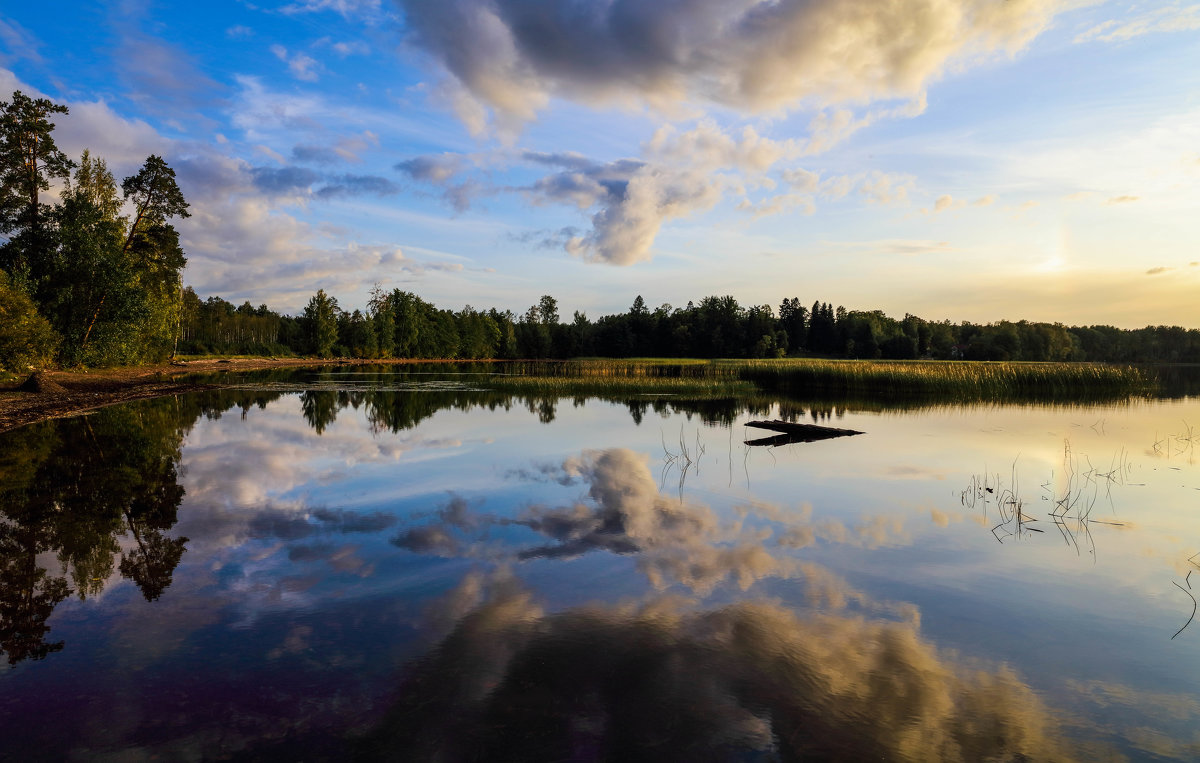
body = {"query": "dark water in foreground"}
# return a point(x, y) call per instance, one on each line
point(348, 565)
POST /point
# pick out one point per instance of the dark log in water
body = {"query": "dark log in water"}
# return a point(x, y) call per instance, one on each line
point(791, 432)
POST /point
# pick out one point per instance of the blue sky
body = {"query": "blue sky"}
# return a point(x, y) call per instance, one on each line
point(957, 159)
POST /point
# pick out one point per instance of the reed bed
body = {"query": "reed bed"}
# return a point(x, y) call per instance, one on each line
point(606, 383)
point(632, 368)
point(958, 380)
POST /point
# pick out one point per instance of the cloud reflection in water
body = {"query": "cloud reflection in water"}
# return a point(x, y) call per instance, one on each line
point(662, 681)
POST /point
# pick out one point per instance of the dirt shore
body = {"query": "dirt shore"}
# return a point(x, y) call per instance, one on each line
point(69, 393)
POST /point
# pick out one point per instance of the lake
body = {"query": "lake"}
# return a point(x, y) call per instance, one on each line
point(359, 563)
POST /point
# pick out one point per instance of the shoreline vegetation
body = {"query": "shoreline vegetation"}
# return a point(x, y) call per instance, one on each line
point(55, 394)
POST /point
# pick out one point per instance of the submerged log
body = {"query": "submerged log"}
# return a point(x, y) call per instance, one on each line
point(791, 432)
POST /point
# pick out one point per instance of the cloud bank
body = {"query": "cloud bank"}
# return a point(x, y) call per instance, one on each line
point(510, 57)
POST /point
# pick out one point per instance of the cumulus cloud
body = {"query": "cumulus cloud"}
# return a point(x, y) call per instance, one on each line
point(683, 173)
point(885, 188)
point(240, 243)
point(123, 143)
point(680, 173)
point(630, 199)
point(511, 57)
point(432, 169)
point(708, 147)
point(752, 680)
point(945, 202)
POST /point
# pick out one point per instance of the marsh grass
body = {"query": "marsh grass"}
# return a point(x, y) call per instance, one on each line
point(957, 380)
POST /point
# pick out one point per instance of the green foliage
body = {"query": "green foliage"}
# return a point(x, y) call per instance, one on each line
point(29, 159)
point(26, 338)
point(114, 286)
point(89, 264)
point(321, 324)
point(217, 326)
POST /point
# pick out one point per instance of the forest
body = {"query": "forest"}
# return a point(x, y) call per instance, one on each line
point(95, 279)
point(399, 324)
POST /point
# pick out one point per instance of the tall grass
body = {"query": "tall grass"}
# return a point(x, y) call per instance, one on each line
point(957, 380)
point(608, 379)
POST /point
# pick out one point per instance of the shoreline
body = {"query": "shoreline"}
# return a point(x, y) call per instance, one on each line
point(84, 391)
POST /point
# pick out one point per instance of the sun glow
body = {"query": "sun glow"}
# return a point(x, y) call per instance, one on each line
point(1057, 252)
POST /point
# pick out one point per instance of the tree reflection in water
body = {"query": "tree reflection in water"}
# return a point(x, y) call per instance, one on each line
point(101, 492)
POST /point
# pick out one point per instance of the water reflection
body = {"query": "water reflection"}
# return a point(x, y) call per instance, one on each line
point(664, 681)
point(81, 491)
point(101, 493)
point(1070, 498)
point(416, 562)
point(675, 543)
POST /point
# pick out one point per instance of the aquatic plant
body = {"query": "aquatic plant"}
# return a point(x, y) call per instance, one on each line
point(960, 380)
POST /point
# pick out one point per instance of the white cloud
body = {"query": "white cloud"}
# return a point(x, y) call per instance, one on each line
point(302, 66)
point(946, 201)
point(884, 188)
point(18, 43)
point(347, 8)
point(1172, 18)
point(708, 147)
point(352, 48)
point(511, 56)
point(785, 202)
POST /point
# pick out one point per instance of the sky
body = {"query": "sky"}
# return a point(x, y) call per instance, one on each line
point(955, 159)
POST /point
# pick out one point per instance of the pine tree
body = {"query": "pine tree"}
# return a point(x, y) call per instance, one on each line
point(29, 159)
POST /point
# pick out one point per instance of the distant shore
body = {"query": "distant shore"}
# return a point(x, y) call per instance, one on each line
point(56, 394)
point(71, 393)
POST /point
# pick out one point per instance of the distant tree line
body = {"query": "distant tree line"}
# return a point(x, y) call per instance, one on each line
point(94, 278)
point(399, 324)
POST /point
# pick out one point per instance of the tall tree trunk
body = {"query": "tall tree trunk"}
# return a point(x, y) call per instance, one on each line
point(178, 320)
point(95, 315)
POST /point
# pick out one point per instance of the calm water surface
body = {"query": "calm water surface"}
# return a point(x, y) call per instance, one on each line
point(335, 565)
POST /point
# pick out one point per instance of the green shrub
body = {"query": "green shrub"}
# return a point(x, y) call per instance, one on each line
point(26, 338)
